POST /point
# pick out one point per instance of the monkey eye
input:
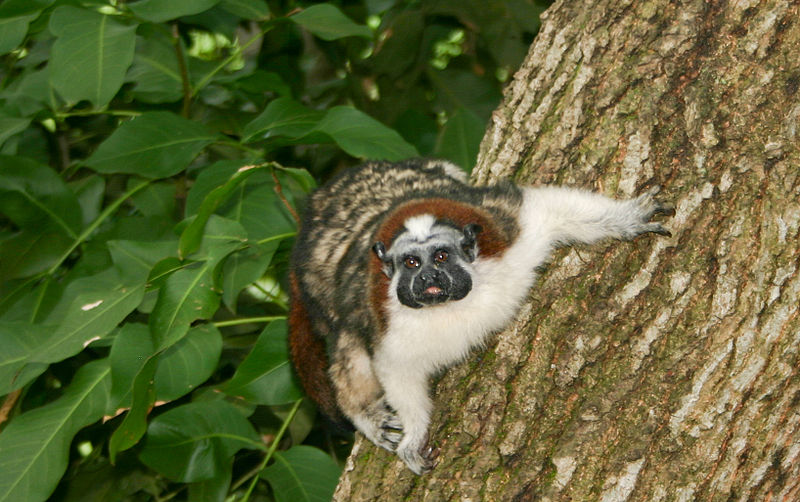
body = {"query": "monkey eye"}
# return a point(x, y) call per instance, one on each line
point(440, 256)
point(411, 262)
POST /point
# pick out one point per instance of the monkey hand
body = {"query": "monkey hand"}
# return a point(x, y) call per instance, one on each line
point(643, 208)
point(418, 455)
point(381, 425)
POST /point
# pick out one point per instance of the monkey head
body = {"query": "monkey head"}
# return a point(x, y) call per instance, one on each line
point(429, 262)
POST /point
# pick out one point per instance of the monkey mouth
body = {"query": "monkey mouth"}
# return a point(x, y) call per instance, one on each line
point(433, 291)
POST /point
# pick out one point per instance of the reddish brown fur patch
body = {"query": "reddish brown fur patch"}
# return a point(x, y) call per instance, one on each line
point(490, 240)
point(309, 356)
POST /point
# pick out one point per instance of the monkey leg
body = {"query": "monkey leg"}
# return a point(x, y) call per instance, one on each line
point(360, 396)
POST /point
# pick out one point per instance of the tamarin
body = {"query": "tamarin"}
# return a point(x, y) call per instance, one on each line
point(399, 270)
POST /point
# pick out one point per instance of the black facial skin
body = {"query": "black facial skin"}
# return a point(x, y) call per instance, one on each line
point(431, 280)
point(433, 274)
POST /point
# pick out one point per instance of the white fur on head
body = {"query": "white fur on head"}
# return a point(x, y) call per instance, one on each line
point(420, 227)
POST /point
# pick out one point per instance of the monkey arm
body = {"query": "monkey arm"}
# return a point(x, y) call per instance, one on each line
point(568, 215)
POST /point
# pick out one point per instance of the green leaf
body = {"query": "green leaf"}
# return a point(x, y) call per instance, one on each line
point(193, 233)
point(247, 9)
point(15, 15)
point(191, 293)
point(96, 305)
point(136, 259)
point(283, 117)
point(90, 56)
point(13, 31)
point(461, 138)
point(155, 72)
point(328, 23)
point(33, 195)
point(187, 295)
point(142, 147)
point(362, 136)
point(209, 178)
point(243, 268)
point(302, 474)
point(9, 126)
point(34, 447)
point(140, 375)
point(29, 252)
point(259, 209)
point(265, 376)
point(158, 11)
point(196, 441)
point(354, 131)
point(18, 342)
point(188, 363)
point(158, 199)
point(134, 425)
point(132, 347)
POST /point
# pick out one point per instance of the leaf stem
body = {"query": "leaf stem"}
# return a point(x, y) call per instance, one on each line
point(272, 447)
point(225, 62)
point(96, 223)
point(187, 87)
point(247, 320)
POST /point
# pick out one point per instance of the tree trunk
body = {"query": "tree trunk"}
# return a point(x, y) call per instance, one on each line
point(664, 368)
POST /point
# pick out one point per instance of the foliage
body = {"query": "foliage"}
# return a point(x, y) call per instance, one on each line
point(146, 217)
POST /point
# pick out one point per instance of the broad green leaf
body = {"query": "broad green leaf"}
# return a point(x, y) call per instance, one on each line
point(247, 9)
point(155, 71)
point(188, 363)
point(354, 131)
point(89, 191)
point(158, 11)
point(33, 195)
point(137, 258)
point(302, 177)
point(96, 305)
point(140, 375)
point(461, 138)
point(193, 233)
point(134, 425)
point(29, 93)
point(302, 474)
point(18, 342)
point(154, 145)
point(34, 446)
point(464, 89)
point(282, 117)
point(210, 177)
point(14, 8)
point(328, 23)
point(362, 136)
point(243, 268)
point(15, 15)
point(9, 126)
point(196, 441)
point(191, 293)
point(29, 252)
point(214, 489)
point(132, 346)
point(256, 205)
point(265, 376)
point(13, 31)
point(91, 54)
point(187, 295)
point(158, 199)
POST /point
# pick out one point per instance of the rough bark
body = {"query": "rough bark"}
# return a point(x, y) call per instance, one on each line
point(665, 368)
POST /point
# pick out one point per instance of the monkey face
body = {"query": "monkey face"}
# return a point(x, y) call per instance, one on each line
point(429, 263)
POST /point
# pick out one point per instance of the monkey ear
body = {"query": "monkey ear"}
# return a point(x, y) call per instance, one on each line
point(469, 243)
point(380, 249)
